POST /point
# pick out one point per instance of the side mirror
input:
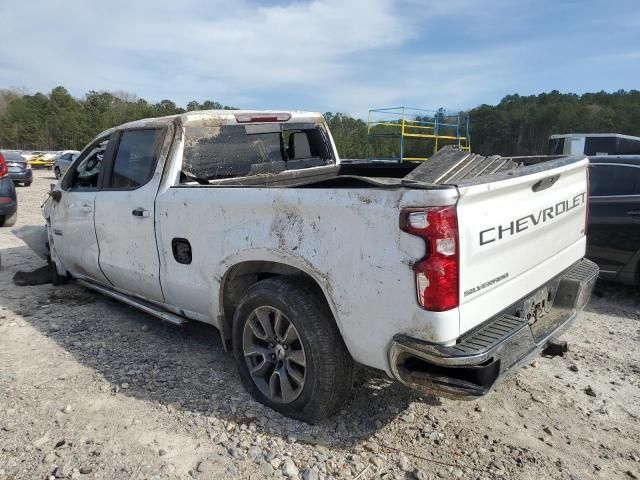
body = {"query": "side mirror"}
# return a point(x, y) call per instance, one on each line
point(56, 195)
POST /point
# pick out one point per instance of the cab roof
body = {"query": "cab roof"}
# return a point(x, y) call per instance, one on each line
point(223, 117)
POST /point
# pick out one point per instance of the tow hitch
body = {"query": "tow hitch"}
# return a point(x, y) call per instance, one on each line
point(555, 348)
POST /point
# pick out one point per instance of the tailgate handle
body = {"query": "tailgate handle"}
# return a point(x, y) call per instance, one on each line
point(545, 183)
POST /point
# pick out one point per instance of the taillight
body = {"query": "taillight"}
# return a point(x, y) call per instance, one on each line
point(4, 171)
point(436, 275)
point(261, 117)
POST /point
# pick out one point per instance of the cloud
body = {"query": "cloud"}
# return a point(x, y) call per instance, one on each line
point(182, 47)
point(324, 55)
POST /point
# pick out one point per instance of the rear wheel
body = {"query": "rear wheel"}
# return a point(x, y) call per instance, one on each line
point(56, 172)
point(288, 349)
point(27, 184)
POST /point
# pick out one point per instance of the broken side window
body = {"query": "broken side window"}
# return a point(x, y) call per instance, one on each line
point(231, 151)
point(86, 172)
point(136, 158)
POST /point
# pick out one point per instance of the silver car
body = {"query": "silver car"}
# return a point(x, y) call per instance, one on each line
point(62, 162)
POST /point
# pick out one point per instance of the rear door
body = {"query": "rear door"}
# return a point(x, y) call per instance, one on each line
point(72, 218)
point(614, 215)
point(516, 233)
point(125, 213)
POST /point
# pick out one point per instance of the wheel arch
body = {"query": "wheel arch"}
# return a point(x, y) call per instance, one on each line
point(241, 276)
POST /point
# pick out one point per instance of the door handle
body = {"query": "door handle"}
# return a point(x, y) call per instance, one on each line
point(634, 213)
point(140, 212)
point(86, 209)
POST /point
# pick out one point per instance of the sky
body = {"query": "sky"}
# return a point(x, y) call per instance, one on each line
point(321, 55)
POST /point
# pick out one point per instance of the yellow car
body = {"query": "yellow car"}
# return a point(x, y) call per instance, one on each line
point(43, 160)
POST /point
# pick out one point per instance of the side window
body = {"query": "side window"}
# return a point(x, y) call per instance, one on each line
point(87, 170)
point(556, 146)
point(136, 158)
point(610, 180)
point(575, 146)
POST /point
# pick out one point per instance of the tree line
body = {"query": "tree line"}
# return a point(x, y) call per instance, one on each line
point(58, 121)
point(518, 125)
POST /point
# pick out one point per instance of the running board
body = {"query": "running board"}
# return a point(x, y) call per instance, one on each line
point(146, 307)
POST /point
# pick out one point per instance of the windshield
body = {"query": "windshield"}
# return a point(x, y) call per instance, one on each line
point(241, 150)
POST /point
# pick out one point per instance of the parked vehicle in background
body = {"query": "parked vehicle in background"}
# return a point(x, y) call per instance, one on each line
point(44, 160)
point(28, 155)
point(19, 168)
point(8, 198)
point(62, 162)
point(614, 217)
point(593, 144)
point(447, 274)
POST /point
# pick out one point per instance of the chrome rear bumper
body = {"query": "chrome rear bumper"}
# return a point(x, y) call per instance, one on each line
point(489, 353)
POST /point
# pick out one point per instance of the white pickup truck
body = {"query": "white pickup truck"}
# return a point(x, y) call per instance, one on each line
point(446, 275)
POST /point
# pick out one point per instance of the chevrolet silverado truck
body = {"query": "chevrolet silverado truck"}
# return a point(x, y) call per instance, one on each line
point(446, 275)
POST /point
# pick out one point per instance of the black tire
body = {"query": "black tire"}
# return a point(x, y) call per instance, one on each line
point(56, 172)
point(329, 370)
point(27, 184)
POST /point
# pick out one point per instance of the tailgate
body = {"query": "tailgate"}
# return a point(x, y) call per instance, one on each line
point(517, 231)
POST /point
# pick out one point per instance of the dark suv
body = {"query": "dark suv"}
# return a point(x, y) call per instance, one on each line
point(8, 200)
point(613, 237)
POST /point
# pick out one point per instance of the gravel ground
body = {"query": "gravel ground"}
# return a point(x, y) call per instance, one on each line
point(90, 388)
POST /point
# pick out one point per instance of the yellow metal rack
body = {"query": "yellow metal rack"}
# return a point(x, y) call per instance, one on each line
point(400, 134)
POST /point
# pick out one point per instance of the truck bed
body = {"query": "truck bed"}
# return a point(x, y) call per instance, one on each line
point(450, 166)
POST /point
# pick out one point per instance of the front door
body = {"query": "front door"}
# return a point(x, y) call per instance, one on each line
point(125, 214)
point(72, 217)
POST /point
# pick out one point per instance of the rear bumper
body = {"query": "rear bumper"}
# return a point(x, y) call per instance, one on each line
point(8, 200)
point(26, 176)
point(7, 211)
point(483, 357)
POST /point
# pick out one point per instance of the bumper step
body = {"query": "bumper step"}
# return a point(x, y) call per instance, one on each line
point(471, 366)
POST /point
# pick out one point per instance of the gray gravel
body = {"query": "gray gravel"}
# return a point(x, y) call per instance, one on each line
point(90, 388)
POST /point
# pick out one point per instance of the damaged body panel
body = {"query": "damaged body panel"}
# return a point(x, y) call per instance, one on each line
point(196, 216)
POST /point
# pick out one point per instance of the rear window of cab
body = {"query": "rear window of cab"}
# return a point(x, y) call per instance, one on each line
point(230, 151)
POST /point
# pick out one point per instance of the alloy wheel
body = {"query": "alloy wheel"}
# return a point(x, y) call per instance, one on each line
point(274, 354)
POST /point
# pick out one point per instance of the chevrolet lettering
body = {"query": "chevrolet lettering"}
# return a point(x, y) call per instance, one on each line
point(523, 223)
